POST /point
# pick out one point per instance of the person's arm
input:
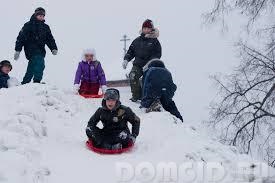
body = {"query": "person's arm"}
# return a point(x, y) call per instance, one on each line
point(78, 74)
point(94, 120)
point(157, 53)
point(50, 41)
point(21, 38)
point(135, 121)
point(130, 53)
point(173, 85)
point(101, 75)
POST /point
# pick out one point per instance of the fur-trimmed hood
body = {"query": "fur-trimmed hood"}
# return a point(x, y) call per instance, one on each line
point(154, 34)
point(90, 51)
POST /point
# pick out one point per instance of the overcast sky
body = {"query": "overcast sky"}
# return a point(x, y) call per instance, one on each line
point(191, 52)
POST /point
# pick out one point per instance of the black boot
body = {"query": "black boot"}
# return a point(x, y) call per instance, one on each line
point(134, 99)
point(155, 107)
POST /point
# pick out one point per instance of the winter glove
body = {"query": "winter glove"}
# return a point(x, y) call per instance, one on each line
point(124, 64)
point(54, 52)
point(123, 135)
point(16, 55)
point(88, 128)
point(104, 88)
point(89, 132)
point(76, 88)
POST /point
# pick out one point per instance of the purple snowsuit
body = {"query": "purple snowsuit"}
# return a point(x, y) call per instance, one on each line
point(90, 72)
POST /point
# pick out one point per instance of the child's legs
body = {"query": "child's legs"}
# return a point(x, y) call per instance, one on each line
point(97, 136)
point(83, 87)
point(29, 73)
point(93, 88)
point(38, 68)
point(89, 88)
point(116, 138)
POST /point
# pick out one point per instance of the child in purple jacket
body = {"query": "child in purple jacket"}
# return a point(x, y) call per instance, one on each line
point(89, 76)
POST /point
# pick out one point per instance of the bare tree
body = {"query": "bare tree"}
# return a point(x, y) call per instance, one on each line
point(245, 107)
point(251, 9)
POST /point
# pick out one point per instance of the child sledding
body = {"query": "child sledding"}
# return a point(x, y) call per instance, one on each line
point(90, 76)
point(115, 134)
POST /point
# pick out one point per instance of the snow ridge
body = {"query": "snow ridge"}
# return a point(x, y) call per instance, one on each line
point(42, 135)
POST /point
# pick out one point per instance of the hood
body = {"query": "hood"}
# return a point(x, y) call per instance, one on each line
point(154, 63)
point(154, 34)
point(89, 51)
point(33, 19)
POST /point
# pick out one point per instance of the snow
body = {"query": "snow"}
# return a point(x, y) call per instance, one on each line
point(42, 140)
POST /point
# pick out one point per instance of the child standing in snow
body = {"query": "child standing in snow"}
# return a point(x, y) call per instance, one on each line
point(5, 68)
point(89, 76)
point(143, 49)
point(33, 37)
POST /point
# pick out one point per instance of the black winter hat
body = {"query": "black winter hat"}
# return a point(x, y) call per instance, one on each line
point(156, 63)
point(5, 63)
point(112, 94)
point(40, 11)
point(148, 24)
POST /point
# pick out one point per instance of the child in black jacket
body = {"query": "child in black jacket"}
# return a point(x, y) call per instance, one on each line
point(115, 117)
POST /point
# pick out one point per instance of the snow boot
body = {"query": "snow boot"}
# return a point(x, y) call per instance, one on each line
point(134, 100)
point(155, 107)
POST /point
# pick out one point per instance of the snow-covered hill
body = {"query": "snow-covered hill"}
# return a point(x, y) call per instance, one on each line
point(42, 140)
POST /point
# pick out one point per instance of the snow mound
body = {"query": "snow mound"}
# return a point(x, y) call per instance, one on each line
point(42, 139)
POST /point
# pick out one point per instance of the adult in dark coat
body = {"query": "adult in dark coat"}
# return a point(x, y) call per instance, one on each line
point(143, 49)
point(158, 87)
point(34, 35)
point(115, 133)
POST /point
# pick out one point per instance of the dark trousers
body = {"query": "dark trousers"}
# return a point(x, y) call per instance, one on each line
point(169, 105)
point(103, 139)
point(166, 101)
point(35, 70)
point(135, 75)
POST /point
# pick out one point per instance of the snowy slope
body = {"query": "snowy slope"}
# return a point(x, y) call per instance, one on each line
point(42, 135)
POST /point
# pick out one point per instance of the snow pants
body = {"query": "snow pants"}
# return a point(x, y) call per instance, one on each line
point(102, 139)
point(166, 101)
point(135, 75)
point(87, 88)
point(35, 70)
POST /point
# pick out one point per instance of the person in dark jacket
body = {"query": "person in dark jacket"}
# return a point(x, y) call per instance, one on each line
point(115, 133)
point(34, 35)
point(144, 48)
point(5, 68)
point(159, 88)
